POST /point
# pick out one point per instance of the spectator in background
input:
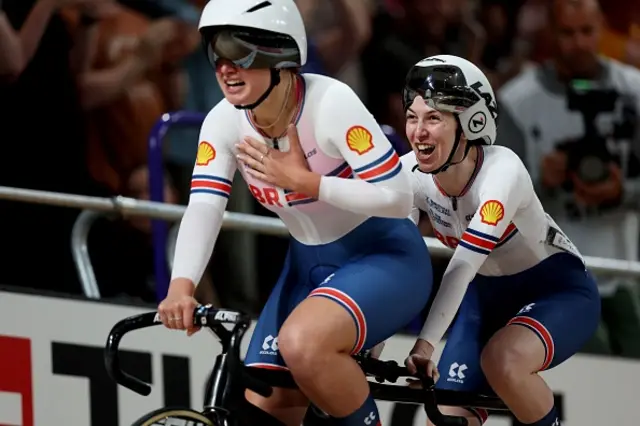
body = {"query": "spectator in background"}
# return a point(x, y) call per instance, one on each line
point(43, 142)
point(586, 171)
point(621, 33)
point(132, 75)
point(505, 51)
point(406, 31)
point(338, 30)
point(619, 38)
point(11, 55)
point(532, 30)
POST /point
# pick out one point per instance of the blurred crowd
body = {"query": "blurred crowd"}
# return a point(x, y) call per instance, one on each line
point(82, 83)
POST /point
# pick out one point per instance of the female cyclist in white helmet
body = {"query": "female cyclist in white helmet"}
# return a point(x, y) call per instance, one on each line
point(357, 269)
point(525, 301)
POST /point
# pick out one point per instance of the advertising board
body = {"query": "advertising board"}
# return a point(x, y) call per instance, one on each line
point(52, 370)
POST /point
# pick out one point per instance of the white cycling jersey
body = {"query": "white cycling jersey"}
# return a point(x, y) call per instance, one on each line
point(361, 173)
point(496, 226)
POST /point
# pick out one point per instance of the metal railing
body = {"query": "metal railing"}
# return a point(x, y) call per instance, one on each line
point(95, 207)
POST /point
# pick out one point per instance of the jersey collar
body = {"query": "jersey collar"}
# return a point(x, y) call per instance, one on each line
point(472, 179)
point(301, 89)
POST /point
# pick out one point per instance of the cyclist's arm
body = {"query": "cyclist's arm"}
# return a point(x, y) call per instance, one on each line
point(500, 198)
point(210, 191)
point(408, 162)
point(415, 215)
point(345, 127)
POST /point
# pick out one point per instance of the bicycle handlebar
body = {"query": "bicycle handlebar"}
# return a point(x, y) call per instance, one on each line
point(112, 360)
point(204, 316)
point(431, 405)
point(214, 319)
point(391, 371)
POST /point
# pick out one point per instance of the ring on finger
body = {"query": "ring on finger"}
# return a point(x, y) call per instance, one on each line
point(261, 158)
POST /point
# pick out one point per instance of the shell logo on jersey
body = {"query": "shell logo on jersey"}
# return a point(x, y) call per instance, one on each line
point(206, 154)
point(492, 212)
point(359, 140)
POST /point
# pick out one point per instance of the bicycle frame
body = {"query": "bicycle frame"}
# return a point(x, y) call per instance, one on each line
point(229, 377)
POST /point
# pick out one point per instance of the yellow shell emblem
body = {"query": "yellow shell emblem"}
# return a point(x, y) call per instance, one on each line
point(492, 212)
point(206, 154)
point(359, 140)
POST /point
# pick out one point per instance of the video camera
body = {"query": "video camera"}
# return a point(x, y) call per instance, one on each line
point(589, 156)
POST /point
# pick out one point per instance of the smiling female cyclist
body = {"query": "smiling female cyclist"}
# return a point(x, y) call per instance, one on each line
point(357, 269)
point(524, 299)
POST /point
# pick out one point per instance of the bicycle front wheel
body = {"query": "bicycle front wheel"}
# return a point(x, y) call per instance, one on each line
point(173, 416)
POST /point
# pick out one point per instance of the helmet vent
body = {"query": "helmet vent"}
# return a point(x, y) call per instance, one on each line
point(259, 6)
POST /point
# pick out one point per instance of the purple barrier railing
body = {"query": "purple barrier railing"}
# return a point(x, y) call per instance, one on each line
point(156, 184)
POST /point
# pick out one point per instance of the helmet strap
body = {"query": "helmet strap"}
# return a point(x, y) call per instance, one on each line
point(275, 80)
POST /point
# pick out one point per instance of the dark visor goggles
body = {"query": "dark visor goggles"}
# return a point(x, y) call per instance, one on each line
point(252, 50)
point(443, 87)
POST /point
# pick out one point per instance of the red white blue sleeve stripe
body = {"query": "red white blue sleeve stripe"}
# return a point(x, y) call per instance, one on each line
point(296, 199)
point(381, 169)
point(478, 242)
point(508, 234)
point(483, 243)
point(209, 184)
point(343, 171)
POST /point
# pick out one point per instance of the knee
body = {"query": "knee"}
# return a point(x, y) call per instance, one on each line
point(302, 348)
point(503, 363)
point(311, 338)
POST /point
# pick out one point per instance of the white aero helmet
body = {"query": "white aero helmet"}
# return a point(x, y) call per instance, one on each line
point(453, 84)
point(254, 34)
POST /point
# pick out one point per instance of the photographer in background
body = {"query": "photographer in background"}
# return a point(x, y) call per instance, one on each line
point(573, 122)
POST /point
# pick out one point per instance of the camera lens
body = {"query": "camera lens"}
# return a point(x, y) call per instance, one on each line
point(592, 169)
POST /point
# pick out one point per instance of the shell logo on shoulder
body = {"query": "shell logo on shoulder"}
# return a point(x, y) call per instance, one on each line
point(206, 154)
point(359, 140)
point(492, 212)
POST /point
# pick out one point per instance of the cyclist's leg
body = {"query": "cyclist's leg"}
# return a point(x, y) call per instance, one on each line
point(554, 326)
point(287, 405)
point(360, 305)
point(459, 364)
